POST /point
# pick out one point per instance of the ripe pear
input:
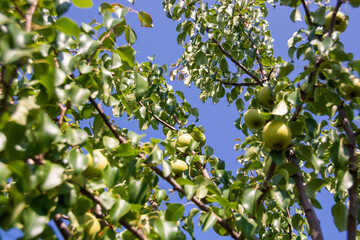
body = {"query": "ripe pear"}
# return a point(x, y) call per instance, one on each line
point(198, 136)
point(276, 135)
point(349, 92)
point(179, 166)
point(253, 119)
point(92, 225)
point(97, 163)
point(184, 140)
point(266, 98)
point(341, 21)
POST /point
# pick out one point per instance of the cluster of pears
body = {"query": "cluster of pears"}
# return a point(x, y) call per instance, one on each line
point(178, 166)
point(276, 134)
point(350, 91)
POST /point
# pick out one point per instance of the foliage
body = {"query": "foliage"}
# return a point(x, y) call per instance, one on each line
point(57, 77)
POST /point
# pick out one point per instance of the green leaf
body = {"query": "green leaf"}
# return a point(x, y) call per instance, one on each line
point(297, 221)
point(5, 172)
point(339, 212)
point(339, 154)
point(120, 208)
point(295, 15)
point(141, 84)
point(189, 191)
point(127, 54)
point(110, 142)
point(280, 109)
point(181, 38)
point(53, 176)
point(130, 35)
point(167, 230)
point(345, 181)
point(35, 223)
point(78, 96)
point(145, 19)
point(285, 69)
point(174, 211)
point(137, 191)
point(78, 161)
point(83, 3)
point(107, 200)
point(125, 150)
point(208, 221)
point(68, 26)
point(313, 186)
point(45, 133)
point(248, 226)
point(281, 198)
point(249, 200)
point(76, 136)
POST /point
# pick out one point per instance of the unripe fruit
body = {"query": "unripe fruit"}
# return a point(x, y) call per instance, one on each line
point(179, 166)
point(253, 119)
point(198, 136)
point(266, 98)
point(340, 24)
point(349, 92)
point(184, 140)
point(92, 225)
point(276, 135)
point(97, 163)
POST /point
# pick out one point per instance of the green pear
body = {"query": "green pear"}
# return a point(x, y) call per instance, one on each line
point(97, 163)
point(253, 119)
point(179, 166)
point(341, 21)
point(266, 97)
point(276, 135)
point(198, 136)
point(92, 225)
point(184, 140)
point(349, 92)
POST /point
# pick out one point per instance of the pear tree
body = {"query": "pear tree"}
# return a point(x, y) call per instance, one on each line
point(65, 159)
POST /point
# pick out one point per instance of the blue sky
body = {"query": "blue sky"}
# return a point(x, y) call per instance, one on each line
point(218, 119)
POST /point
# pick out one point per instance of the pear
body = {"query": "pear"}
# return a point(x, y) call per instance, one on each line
point(341, 21)
point(179, 166)
point(184, 140)
point(198, 136)
point(276, 135)
point(266, 98)
point(253, 119)
point(97, 163)
point(349, 92)
point(92, 225)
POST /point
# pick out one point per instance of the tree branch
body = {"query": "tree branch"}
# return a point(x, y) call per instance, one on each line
point(29, 15)
point(63, 228)
point(314, 223)
point(333, 18)
point(307, 11)
point(158, 119)
point(353, 167)
point(102, 41)
point(63, 110)
point(237, 63)
point(265, 187)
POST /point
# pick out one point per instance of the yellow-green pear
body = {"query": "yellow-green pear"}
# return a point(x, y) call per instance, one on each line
point(184, 140)
point(276, 135)
point(92, 225)
point(179, 166)
point(349, 92)
point(97, 163)
point(253, 119)
point(340, 24)
point(198, 136)
point(266, 97)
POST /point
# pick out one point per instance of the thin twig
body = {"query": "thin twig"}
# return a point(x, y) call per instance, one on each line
point(63, 228)
point(237, 63)
point(159, 120)
point(307, 11)
point(314, 223)
point(29, 15)
point(353, 169)
point(265, 186)
point(237, 84)
point(19, 10)
point(178, 121)
point(63, 110)
point(102, 41)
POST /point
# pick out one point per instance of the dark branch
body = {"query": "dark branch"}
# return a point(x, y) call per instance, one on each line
point(307, 11)
point(353, 168)
point(237, 63)
point(178, 121)
point(237, 84)
point(314, 223)
point(159, 120)
point(63, 228)
point(63, 110)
